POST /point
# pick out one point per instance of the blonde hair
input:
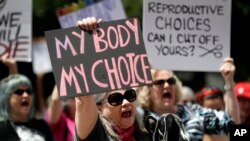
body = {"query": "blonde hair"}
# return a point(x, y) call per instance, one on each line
point(108, 126)
point(139, 124)
point(144, 99)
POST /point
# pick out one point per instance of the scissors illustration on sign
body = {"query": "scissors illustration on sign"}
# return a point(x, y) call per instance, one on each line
point(216, 51)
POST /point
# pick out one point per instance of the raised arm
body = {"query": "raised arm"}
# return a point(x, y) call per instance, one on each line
point(86, 115)
point(40, 94)
point(231, 103)
point(86, 109)
point(55, 107)
point(10, 63)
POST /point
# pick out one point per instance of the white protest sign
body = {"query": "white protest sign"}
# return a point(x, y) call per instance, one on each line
point(187, 35)
point(106, 9)
point(15, 29)
point(41, 60)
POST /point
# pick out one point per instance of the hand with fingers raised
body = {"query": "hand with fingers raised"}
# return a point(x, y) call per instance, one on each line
point(10, 63)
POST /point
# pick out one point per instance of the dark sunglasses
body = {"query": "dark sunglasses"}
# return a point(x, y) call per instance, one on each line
point(116, 99)
point(161, 82)
point(21, 91)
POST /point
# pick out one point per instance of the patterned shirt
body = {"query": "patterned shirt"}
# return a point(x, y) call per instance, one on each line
point(199, 120)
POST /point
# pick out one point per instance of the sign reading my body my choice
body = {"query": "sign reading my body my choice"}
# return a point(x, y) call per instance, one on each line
point(110, 57)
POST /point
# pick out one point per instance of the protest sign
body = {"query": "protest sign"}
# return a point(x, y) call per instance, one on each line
point(40, 61)
point(110, 57)
point(15, 29)
point(183, 35)
point(89, 2)
point(105, 9)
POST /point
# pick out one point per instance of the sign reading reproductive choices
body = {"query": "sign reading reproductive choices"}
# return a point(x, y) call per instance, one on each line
point(110, 57)
point(187, 35)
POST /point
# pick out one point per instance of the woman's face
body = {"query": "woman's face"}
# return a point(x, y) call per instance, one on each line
point(163, 94)
point(20, 104)
point(122, 115)
point(214, 103)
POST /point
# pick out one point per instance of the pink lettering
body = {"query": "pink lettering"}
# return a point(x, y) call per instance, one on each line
point(121, 60)
point(68, 77)
point(82, 40)
point(114, 71)
point(145, 68)
point(119, 35)
point(135, 70)
point(123, 71)
point(134, 28)
point(130, 56)
point(65, 45)
point(98, 39)
point(122, 42)
point(111, 28)
point(82, 73)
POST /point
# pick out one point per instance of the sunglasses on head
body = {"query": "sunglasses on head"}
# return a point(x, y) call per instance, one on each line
point(21, 91)
point(160, 82)
point(116, 98)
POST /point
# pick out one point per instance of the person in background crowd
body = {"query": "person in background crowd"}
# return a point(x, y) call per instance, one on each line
point(17, 112)
point(242, 91)
point(11, 63)
point(211, 98)
point(165, 92)
point(61, 117)
point(188, 95)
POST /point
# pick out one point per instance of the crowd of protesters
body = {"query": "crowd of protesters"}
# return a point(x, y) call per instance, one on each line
point(133, 114)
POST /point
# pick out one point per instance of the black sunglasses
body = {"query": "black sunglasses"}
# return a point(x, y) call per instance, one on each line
point(116, 99)
point(161, 82)
point(21, 91)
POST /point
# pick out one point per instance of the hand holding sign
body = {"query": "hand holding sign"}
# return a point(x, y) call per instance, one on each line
point(95, 60)
point(89, 23)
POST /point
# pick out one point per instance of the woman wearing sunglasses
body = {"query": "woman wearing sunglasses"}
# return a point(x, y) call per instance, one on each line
point(17, 112)
point(116, 120)
point(165, 92)
point(110, 117)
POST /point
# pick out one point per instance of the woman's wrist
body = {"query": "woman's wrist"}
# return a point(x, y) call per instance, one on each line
point(229, 86)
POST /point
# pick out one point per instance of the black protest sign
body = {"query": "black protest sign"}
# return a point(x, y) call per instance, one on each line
point(110, 57)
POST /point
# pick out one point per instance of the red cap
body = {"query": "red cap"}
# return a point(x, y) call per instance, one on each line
point(242, 89)
point(207, 92)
